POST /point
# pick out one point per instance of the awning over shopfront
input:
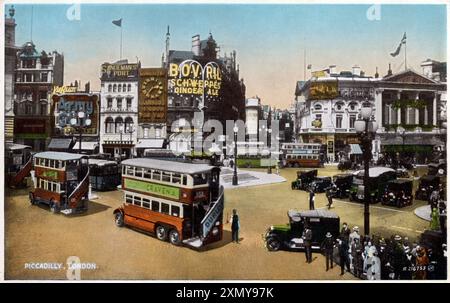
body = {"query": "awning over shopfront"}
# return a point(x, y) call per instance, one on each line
point(60, 143)
point(355, 149)
point(85, 145)
point(150, 143)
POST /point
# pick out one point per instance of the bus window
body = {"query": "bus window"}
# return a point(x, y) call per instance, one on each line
point(199, 179)
point(166, 177)
point(155, 205)
point(138, 172)
point(146, 203)
point(147, 174)
point(129, 199)
point(156, 175)
point(175, 211)
point(137, 201)
point(176, 178)
point(184, 180)
point(130, 171)
point(165, 208)
point(46, 162)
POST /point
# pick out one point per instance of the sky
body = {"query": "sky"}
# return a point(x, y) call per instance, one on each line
point(270, 39)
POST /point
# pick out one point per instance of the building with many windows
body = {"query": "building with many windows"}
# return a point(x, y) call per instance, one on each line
point(410, 109)
point(36, 74)
point(328, 105)
point(119, 108)
point(10, 65)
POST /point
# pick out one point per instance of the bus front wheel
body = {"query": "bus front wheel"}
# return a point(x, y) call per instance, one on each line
point(161, 233)
point(118, 219)
point(174, 237)
point(54, 207)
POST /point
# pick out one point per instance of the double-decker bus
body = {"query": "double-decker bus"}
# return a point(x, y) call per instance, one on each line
point(104, 174)
point(61, 180)
point(17, 164)
point(250, 154)
point(179, 202)
point(302, 154)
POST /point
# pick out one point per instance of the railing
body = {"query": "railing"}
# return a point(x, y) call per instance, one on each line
point(215, 210)
point(80, 190)
point(25, 171)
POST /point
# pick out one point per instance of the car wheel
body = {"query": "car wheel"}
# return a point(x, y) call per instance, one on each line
point(174, 237)
point(273, 244)
point(32, 199)
point(118, 219)
point(54, 208)
point(161, 233)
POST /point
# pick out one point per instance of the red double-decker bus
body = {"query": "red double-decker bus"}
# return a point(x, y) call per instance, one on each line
point(179, 202)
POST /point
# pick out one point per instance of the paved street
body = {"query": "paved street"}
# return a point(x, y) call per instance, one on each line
point(33, 234)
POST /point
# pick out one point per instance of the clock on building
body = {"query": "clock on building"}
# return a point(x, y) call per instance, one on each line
point(152, 88)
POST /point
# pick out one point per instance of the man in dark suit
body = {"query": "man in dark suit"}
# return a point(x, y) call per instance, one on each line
point(343, 256)
point(307, 238)
point(311, 198)
point(327, 247)
point(235, 225)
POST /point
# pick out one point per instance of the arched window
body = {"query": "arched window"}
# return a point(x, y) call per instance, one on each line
point(119, 89)
point(128, 124)
point(114, 88)
point(109, 125)
point(339, 106)
point(109, 88)
point(317, 107)
point(353, 106)
point(129, 87)
point(118, 124)
point(43, 108)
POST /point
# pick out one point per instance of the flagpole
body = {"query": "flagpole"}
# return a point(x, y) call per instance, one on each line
point(304, 64)
point(405, 55)
point(121, 41)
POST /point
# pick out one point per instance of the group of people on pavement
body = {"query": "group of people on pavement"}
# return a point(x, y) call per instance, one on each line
point(438, 208)
point(383, 259)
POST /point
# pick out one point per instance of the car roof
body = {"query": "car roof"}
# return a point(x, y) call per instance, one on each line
point(376, 171)
point(59, 156)
point(317, 213)
point(172, 166)
point(101, 162)
point(343, 175)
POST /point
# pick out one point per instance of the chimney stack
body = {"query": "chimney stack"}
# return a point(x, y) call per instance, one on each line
point(196, 45)
point(389, 70)
point(333, 69)
point(356, 70)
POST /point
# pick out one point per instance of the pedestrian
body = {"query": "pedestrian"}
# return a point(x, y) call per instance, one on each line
point(307, 237)
point(434, 223)
point(330, 194)
point(434, 198)
point(372, 265)
point(443, 218)
point(235, 226)
point(231, 163)
point(327, 248)
point(343, 256)
point(311, 198)
point(345, 232)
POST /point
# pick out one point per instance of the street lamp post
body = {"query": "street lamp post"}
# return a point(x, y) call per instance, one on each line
point(366, 127)
point(269, 170)
point(80, 125)
point(235, 177)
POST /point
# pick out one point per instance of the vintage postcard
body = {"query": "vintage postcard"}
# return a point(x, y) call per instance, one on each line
point(238, 141)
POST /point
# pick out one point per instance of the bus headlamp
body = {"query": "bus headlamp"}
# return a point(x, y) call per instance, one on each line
point(215, 231)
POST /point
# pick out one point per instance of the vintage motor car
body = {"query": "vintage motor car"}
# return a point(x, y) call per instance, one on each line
point(321, 184)
point(402, 173)
point(427, 184)
point(304, 179)
point(289, 236)
point(398, 193)
point(344, 165)
point(378, 178)
point(437, 168)
point(343, 183)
